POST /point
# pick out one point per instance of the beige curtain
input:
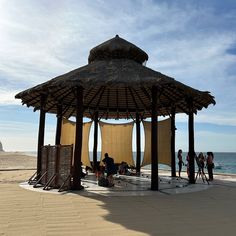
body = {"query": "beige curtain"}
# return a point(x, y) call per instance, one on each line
point(164, 142)
point(117, 141)
point(68, 137)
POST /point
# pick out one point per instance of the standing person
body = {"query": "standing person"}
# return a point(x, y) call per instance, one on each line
point(110, 168)
point(210, 165)
point(201, 163)
point(180, 158)
point(187, 164)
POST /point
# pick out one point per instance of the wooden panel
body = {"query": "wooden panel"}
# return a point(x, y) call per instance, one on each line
point(44, 164)
point(52, 162)
point(57, 162)
point(65, 162)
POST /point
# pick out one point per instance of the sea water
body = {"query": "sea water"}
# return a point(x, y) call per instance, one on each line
point(225, 162)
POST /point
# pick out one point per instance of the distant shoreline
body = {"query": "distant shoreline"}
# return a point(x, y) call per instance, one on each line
point(28, 160)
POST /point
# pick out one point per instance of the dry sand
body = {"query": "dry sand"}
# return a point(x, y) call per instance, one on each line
point(24, 212)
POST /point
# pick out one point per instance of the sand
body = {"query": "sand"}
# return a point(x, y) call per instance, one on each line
point(24, 212)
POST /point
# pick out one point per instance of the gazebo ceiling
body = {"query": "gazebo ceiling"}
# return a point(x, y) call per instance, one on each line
point(116, 85)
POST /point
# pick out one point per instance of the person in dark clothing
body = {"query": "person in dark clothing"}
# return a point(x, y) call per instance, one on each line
point(210, 165)
point(180, 162)
point(110, 168)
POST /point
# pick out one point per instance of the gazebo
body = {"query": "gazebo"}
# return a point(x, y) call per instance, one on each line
point(116, 84)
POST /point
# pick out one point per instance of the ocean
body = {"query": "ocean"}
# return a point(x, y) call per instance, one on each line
point(225, 162)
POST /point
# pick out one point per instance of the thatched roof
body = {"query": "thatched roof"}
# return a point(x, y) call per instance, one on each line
point(117, 48)
point(117, 85)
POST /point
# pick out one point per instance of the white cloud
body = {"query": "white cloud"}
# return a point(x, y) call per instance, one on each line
point(43, 39)
point(7, 97)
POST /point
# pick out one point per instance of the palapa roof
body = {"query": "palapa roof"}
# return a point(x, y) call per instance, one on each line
point(116, 85)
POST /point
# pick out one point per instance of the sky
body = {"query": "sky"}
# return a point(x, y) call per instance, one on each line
point(191, 41)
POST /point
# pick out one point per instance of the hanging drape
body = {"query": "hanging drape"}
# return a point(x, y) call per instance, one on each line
point(68, 137)
point(117, 141)
point(164, 142)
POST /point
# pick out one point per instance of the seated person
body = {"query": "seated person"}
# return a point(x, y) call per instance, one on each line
point(83, 173)
point(100, 171)
point(123, 168)
point(110, 168)
point(88, 169)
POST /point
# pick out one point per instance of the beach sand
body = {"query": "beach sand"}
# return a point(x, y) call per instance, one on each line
point(24, 212)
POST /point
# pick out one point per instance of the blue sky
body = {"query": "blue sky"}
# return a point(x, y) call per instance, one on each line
point(192, 41)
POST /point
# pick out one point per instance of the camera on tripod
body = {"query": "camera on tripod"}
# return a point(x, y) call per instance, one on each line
point(200, 163)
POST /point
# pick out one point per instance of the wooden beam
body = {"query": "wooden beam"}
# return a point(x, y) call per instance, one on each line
point(146, 93)
point(114, 109)
point(72, 112)
point(154, 142)
point(68, 106)
point(191, 143)
point(117, 104)
point(41, 133)
point(132, 95)
point(59, 122)
point(140, 99)
point(138, 146)
point(31, 99)
point(93, 97)
point(76, 184)
point(100, 96)
point(173, 166)
point(95, 143)
point(126, 102)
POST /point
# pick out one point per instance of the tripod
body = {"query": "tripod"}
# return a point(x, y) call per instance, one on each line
point(202, 174)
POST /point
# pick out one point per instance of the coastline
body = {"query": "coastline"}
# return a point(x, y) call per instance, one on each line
point(27, 160)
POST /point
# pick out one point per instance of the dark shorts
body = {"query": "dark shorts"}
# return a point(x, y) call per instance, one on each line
point(109, 173)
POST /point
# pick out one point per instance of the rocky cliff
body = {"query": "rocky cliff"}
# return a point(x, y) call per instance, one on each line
point(1, 147)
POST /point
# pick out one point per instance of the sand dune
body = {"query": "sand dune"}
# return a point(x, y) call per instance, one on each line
point(16, 160)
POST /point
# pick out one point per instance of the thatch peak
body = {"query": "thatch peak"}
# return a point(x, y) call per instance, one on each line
point(117, 48)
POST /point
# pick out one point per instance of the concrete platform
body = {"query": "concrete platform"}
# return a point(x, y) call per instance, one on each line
point(131, 186)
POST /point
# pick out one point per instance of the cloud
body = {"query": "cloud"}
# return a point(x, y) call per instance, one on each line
point(7, 97)
point(192, 41)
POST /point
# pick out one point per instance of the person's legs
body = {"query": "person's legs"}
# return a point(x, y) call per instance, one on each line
point(202, 172)
point(111, 180)
point(210, 174)
point(180, 168)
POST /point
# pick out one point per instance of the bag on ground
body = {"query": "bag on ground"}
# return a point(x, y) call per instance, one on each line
point(102, 181)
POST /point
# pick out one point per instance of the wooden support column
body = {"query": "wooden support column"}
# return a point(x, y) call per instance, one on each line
point(138, 146)
point(41, 133)
point(154, 142)
point(59, 122)
point(76, 184)
point(191, 144)
point(173, 166)
point(95, 143)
